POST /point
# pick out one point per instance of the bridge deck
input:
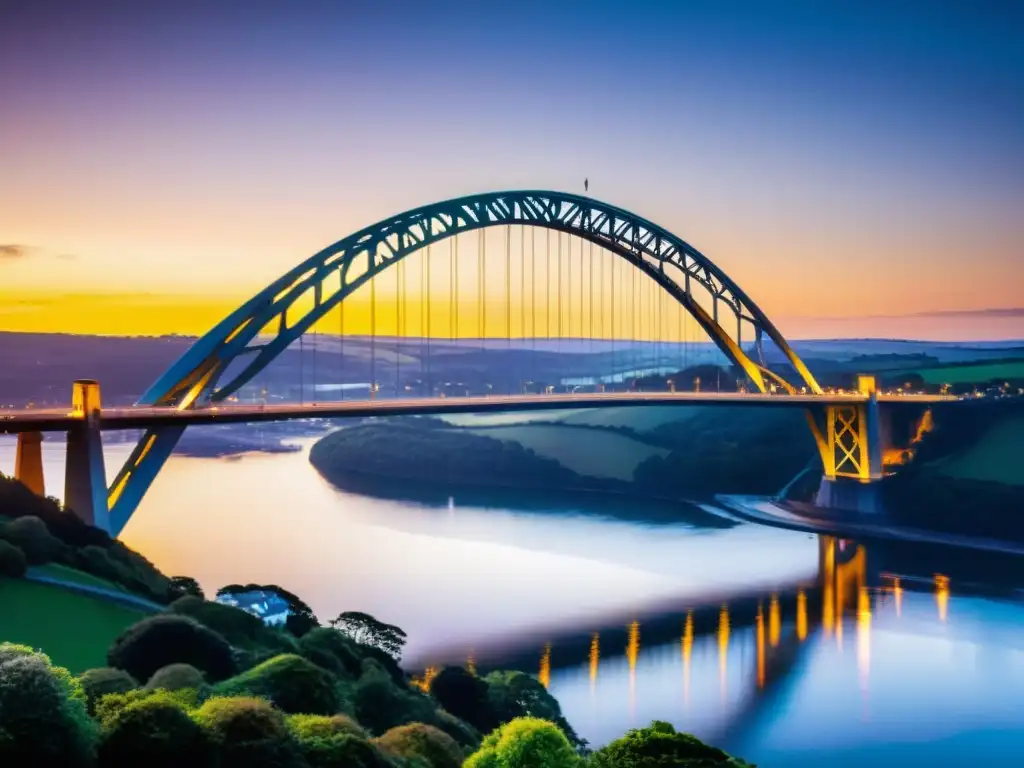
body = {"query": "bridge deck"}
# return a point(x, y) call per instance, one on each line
point(144, 417)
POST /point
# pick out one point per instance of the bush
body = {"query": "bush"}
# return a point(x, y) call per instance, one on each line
point(464, 733)
point(176, 677)
point(180, 586)
point(94, 560)
point(97, 683)
point(160, 640)
point(380, 705)
point(249, 732)
point(417, 740)
point(238, 627)
point(331, 650)
point(658, 745)
point(294, 685)
point(13, 562)
point(516, 694)
point(33, 538)
point(335, 742)
point(526, 742)
point(110, 706)
point(155, 732)
point(42, 711)
point(465, 696)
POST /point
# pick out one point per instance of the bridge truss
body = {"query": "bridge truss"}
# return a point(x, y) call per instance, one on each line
point(250, 338)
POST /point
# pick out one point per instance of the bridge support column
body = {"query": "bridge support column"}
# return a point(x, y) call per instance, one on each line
point(28, 462)
point(853, 454)
point(85, 477)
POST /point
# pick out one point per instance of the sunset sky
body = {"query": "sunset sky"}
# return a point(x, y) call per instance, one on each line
point(858, 167)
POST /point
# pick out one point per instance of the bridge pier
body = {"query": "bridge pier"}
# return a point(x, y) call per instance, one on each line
point(852, 454)
point(28, 462)
point(85, 477)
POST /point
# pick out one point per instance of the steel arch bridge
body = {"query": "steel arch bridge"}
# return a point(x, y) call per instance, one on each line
point(237, 348)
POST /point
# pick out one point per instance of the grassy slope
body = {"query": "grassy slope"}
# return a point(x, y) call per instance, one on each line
point(74, 630)
point(999, 457)
point(970, 374)
point(64, 573)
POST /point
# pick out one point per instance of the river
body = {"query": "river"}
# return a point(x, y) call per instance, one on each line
point(783, 648)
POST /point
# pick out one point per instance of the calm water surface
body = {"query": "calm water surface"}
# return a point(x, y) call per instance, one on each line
point(782, 647)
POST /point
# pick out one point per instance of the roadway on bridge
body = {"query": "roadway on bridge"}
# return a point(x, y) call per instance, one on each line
point(145, 417)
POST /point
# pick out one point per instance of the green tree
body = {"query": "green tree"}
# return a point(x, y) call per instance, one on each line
point(33, 538)
point(332, 650)
point(249, 732)
point(155, 732)
point(416, 740)
point(43, 716)
point(365, 629)
point(515, 694)
point(335, 742)
point(525, 742)
point(176, 677)
point(293, 684)
point(660, 746)
point(465, 696)
point(97, 683)
point(185, 585)
point(160, 640)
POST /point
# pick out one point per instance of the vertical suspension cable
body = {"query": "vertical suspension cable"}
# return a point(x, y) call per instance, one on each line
point(508, 292)
point(399, 318)
point(341, 337)
point(316, 305)
point(373, 334)
point(482, 304)
point(423, 319)
point(533, 299)
point(522, 303)
point(430, 378)
point(455, 279)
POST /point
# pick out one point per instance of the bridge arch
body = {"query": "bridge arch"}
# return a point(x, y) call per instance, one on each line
point(340, 269)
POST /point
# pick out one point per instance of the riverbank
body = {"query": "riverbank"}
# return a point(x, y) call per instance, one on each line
point(806, 518)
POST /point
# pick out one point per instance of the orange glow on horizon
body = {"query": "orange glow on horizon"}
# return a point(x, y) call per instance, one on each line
point(595, 660)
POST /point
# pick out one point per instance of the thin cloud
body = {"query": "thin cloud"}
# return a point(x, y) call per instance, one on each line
point(991, 312)
point(12, 252)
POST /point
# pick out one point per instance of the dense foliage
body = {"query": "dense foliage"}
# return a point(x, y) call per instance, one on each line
point(13, 562)
point(365, 629)
point(176, 677)
point(291, 683)
point(43, 715)
point(241, 629)
point(63, 538)
point(160, 640)
point(525, 743)
point(465, 696)
point(661, 746)
point(434, 456)
point(97, 683)
point(249, 732)
point(425, 742)
point(155, 732)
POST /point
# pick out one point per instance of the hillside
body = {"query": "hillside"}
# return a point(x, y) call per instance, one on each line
point(968, 473)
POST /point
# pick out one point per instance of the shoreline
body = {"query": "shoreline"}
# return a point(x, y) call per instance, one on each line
point(763, 510)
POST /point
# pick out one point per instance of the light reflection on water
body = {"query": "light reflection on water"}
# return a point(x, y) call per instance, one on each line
point(780, 647)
